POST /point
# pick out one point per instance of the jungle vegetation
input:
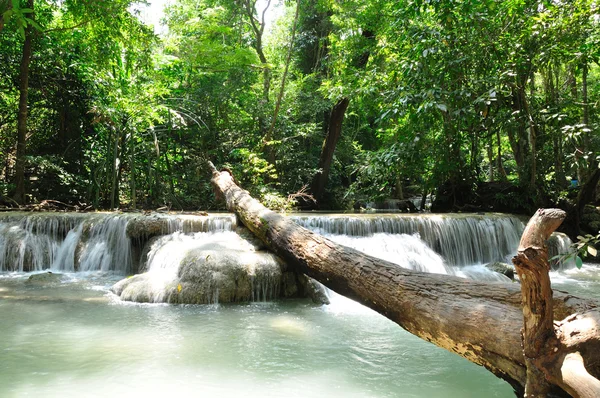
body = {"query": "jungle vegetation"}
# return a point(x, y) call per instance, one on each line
point(488, 104)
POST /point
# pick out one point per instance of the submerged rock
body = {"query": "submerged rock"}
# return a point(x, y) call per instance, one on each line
point(44, 278)
point(502, 268)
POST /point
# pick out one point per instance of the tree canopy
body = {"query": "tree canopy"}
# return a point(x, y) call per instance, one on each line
point(352, 101)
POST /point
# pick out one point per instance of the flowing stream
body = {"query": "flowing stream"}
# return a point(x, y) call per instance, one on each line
point(66, 335)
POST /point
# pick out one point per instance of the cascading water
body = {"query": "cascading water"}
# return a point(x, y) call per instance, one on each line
point(559, 245)
point(69, 242)
point(65, 257)
point(460, 240)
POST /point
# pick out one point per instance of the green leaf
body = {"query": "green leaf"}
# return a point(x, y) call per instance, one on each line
point(34, 24)
point(578, 262)
point(592, 250)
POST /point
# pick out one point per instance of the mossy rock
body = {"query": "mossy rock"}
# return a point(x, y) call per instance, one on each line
point(502, 268)
point(45, 278)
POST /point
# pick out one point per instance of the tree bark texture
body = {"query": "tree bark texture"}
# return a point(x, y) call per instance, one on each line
point(551, 355)
point(533, 269)
point(479, 321)
point(19, 196)
point(334, 131)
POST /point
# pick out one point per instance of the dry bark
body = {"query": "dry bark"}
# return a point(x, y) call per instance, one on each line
point(551, 355)
point(479, 321)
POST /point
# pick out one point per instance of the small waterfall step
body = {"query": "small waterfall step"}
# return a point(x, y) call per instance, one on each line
point(461, 239)
point(70, 242)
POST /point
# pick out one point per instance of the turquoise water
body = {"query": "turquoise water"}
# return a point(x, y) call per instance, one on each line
point(74, 339)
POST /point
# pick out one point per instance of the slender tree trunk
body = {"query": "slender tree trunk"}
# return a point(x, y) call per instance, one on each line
point(132, 175)
point(19, 196)
point(285, 73)
point(258, 25)
point(518, 135)
point(113, 175)
point(584, 94)
point(334, 131)
point(334, 127)
point(479, 321)
point(500, 167)
point(490, 153)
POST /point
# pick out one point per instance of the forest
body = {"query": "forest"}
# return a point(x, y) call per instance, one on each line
point(486, 105)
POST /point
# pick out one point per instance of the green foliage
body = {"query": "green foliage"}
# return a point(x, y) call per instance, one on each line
point(441, 94)
point(584, 247)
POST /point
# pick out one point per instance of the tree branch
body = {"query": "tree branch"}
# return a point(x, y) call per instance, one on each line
point(69, 27)
point(531, 263)
point(575, 378)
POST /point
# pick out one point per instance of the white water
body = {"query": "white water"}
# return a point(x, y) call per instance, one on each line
point(460, 239)
point(68, 242)
point(65, 257)
point(445, 244)
point(234, 258)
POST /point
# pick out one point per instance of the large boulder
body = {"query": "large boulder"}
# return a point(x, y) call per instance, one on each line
point(210, 268)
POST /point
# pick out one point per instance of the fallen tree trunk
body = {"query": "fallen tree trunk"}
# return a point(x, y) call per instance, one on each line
point(479, 321)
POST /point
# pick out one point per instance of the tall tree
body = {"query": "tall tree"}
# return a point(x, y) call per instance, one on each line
point(26, 54)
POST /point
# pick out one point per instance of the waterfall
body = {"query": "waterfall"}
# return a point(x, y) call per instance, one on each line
point(108, 247)
point(459, 239)
point(559, 244)
point(65, 257)
point(69, 242)
point(132, 243)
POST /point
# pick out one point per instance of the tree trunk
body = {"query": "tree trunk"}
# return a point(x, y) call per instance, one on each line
point(19, 196)
point(258, 27)
point(490, 153)
point(479, 321)
point(132, 175)
point(334, 127)
point(334, 131)
point(269, 136)
point(114, 180)
point(533, 269)
point(549, 353)
point(500, 166)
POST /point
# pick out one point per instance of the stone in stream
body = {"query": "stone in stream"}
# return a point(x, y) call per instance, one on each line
point(44, 278)
point(502, 268)
point(211, 268)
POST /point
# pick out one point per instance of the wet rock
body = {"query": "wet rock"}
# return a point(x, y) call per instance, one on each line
point(206, 269)
point(44, 278)
point(208, 276)
point(314, 290)
point(289, 285)
point(502, 268)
